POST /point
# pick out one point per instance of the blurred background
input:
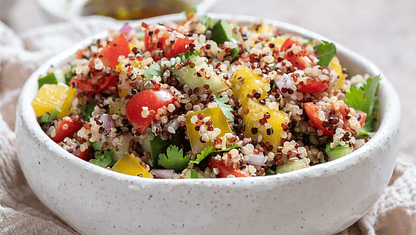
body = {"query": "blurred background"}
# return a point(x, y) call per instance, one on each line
point(382, 30)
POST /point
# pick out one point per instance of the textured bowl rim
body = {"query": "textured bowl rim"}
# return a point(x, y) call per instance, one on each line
point(391, 113)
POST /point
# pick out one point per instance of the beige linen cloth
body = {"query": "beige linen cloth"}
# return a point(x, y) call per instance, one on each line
point(22, 213)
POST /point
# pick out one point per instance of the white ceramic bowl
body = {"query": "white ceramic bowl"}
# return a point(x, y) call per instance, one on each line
point(323, 199)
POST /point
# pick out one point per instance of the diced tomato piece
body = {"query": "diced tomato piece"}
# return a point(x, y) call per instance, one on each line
point(152, 99)
point(101, 80)
point(312, 111)
point(79, 53)
point(300, 60)
point(67, 128)
point(361, 116)
point(84, 155)
point(156, 39)
point(303, 60)
point(119, 46)
point(315, 86)
point(224, 170)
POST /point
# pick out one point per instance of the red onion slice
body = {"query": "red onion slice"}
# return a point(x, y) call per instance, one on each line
point(126, 29)
point(257, 159)
point(107, 121)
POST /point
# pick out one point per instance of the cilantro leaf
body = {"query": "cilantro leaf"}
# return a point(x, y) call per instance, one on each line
point(194, 174)
point(153, 70)
point(208, 150)
point(189, 11)
point(103, 160)
point(226, 108)
point(327, 51)
point(364, 98)
point(174, 159)
point(55, 112)
point(87, 113)
point(45, 118)
point(206, 20)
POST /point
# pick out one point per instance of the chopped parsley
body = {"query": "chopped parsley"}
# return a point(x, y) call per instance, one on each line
point(327, 51)
point(226, 108)
point(45, 118)
point(153, 70)
point(103, 160)
point(173, 159)
point(363, 97)
point(87, 113)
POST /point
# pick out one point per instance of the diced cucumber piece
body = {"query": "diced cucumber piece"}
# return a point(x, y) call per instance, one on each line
point(293, 166)
point(338, 151)
point(222, 32)
point(50, 78)
point(187, 75)
point(125, 145)
point(60, 77)
point(207, 21)
point(97, 145)
point(193, 174)
point(53, 78)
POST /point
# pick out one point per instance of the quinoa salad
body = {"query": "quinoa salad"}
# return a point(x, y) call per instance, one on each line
point(205, 99)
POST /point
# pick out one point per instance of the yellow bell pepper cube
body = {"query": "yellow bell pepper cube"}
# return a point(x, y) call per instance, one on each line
point(130, 165)
point(278, 41)
point(245, 81)
point(198, 142)
point(336, 66)
point(252, 112)
point(52, 96)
